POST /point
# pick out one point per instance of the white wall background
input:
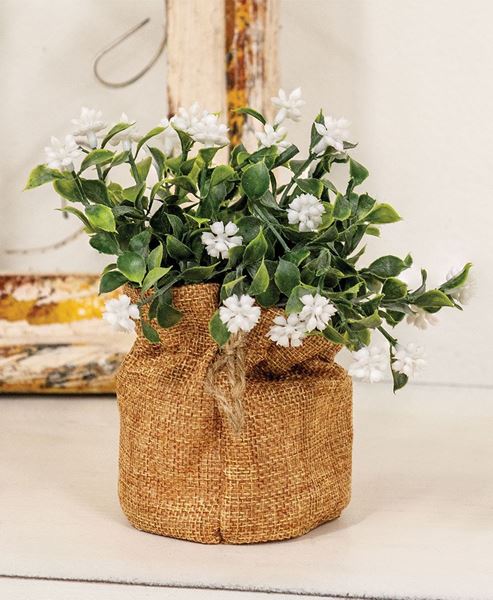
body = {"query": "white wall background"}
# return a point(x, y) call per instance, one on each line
point(414, 77)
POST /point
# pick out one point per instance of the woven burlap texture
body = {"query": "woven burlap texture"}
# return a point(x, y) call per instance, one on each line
point(183, 471)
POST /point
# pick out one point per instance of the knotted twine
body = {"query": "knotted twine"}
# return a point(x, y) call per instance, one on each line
point(229, 360)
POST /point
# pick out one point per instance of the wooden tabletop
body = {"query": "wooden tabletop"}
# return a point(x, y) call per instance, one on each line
point(420, 524)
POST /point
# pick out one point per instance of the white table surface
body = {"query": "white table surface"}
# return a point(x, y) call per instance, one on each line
point(420, 524)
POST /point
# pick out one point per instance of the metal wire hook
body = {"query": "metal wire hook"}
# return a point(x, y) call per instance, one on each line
point(116, 43)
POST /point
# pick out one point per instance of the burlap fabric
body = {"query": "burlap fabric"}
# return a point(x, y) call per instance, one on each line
point(183, 471)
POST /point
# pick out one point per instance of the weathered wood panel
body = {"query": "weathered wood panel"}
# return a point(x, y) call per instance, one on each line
point(252, 74)
point(52, 337)
point(195, 54)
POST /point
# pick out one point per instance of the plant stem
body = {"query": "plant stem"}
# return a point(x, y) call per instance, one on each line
point(392, 341)
point(296, 174)
point(133, 166)
point(78, 183)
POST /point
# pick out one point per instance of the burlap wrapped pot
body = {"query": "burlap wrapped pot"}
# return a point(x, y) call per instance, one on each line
point(184, 472)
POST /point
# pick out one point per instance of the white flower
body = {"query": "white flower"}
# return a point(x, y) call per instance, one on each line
point(239, 314)
point(420, 318)
point(272, 137)
point(317, 311)
point(369, 364)
point(306, 210)
point(334, 132)
point(61, 154)
point(186, 119)
point(209, 132)
point(88, 125)
point(127, 136)
point(171, 139)
point(221, 238)
point(288, 332)
point(289, 106)
point(119, 313)
point(465, 292)
point(408, 360)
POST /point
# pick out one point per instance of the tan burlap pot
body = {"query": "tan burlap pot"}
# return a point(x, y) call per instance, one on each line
point(184, 472)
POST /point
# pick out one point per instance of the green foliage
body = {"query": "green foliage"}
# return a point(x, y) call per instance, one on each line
point(154, 228)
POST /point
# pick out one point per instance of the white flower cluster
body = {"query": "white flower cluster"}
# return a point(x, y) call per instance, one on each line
point(306, 211)
point(61, 154)
point(289, 106)
point(369, 363)
point(316, 313)
point(239, 313)
point(120, 312)
point(334, 133)
point(201, 125)
point(221, 239)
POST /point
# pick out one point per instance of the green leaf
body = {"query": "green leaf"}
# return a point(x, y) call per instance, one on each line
point(294, 304)
point(286, 155)
point(218, 330)
point(177, 249)
point(370, 322)
point(167, 315)
point(159, 158)
point(252, 112)
point(140, 242)
point(311, 186)
point(255, 180)
point(132, 265)
point(149, 332)
point(134, 192)
point(155, 257)
point(394, 289)
point(98, 156)
point(383, 213)
point(113, 131)
point(222, 173)
point(150, 134)
point(399, 379)
point(101, 217)
point(365, 204)
point(153, 276)
point(255, 249)
point(458, 281)
point(197, 274)
point(372, 230)
point(184, 182)
point(297, 256)
point(105, 243)
point(96, 191)
point(287, 276)
point(333, 335)
point(433, 299)
point(111, 281)
point(67, 188)
point(260, 282)
point(342, 208)
point(357, 172)
point(228, 287)
point(248, 227)
point(208, 154)
point(143, 167)
point(77, 213)
point(389, 266)
point(40, 175)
